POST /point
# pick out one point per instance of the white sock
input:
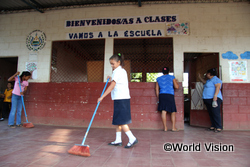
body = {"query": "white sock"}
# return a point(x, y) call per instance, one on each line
point(131, 137)
point(118, 138)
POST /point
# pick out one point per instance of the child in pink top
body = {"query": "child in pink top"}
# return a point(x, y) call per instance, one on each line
point(16, 97)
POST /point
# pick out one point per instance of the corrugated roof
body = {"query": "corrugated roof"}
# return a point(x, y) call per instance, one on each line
point(14, 6)
point(10, 6)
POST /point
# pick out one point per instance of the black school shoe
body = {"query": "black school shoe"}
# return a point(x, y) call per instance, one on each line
point(115, 144)
point(135, 142)
point(211, 129)
point(217, 130)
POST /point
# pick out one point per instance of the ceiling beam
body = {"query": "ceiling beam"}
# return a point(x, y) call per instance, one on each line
point(32, 6)
point(139, 3)
point(38, 4)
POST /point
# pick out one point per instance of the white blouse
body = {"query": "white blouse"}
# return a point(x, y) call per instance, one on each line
point(121, 90)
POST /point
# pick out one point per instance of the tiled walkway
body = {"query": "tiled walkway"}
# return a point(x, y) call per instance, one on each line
point(47, 146)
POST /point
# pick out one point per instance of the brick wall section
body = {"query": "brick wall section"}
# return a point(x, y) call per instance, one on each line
point(236, 106)
point(73, 104)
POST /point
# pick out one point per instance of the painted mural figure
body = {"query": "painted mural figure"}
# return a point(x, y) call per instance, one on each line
point(165, 86)
point(212, 98)
point(120, 94)
point(16, 105)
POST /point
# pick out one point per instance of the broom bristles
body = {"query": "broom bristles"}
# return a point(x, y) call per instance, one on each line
point(80, 150)
point(28, 125)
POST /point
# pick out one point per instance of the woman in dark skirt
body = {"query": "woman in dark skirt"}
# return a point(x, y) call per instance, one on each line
point(120, 94)
point(165, 93)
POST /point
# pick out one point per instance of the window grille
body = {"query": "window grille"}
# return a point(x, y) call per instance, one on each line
point(77, 61)
point(145, 56)
point(83, 60)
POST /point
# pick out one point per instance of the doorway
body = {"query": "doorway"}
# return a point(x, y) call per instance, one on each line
point(8, 67)
point(195, 112)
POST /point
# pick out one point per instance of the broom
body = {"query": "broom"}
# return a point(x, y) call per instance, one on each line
point(26, 124)
point(81, 149)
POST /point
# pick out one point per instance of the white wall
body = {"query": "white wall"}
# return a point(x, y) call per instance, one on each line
point(214, 27)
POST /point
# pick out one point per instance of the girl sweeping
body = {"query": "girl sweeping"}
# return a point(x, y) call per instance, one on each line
point(16, 97)
point(120, 94)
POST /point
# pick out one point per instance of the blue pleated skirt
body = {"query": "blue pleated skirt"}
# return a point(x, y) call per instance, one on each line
point(122, 114)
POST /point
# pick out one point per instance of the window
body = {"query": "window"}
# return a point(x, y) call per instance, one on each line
point(185, 83)
point(77, 61)
point(151, 77)
point(136, 77)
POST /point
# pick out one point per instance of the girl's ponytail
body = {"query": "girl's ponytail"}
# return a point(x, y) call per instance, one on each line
point(121, 59)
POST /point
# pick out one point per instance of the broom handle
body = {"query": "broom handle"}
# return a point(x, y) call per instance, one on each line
point(94, 115)
point(22, 99)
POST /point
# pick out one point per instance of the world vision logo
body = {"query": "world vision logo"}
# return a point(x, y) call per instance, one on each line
point(36, 40)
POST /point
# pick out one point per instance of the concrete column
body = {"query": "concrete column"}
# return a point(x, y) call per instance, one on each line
point(178, 60)
point(109, 48)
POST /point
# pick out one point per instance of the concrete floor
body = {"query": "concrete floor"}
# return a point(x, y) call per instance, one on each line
point(45, 146)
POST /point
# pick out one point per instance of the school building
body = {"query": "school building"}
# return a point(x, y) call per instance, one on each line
point(68, 50)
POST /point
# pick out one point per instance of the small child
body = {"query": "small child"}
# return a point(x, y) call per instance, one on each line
point(7, 101)
point(120, 94)
point(16, 104)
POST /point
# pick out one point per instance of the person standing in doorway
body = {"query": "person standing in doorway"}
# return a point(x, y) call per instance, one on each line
point(120, 94)
point(212, 98)
point(7, 101)
point(165, 93)
point(16, 105)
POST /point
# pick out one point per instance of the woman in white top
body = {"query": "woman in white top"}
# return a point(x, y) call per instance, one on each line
point(120, 94)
